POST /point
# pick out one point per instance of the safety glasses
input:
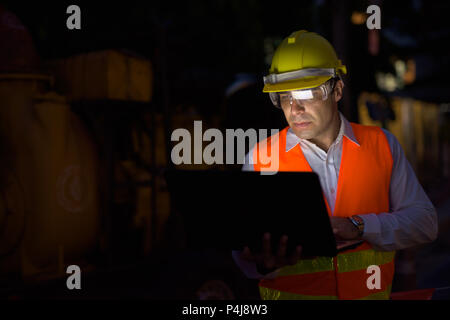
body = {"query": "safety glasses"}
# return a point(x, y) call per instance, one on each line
point(303, 97)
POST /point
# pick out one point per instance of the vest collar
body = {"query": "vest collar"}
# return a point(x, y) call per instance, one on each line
point(345, 130)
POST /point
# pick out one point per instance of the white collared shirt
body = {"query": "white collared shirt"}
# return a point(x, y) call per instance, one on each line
point(412, 219)
point(325, 164)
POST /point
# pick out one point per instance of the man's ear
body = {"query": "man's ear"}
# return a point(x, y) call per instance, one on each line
point(338, 90)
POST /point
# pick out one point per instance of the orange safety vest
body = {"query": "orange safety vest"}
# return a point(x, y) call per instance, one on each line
point(363, 187)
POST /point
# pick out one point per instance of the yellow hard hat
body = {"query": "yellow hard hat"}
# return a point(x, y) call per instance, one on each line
point(303, 60)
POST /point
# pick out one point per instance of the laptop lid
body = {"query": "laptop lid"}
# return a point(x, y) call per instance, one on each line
point(230, 209)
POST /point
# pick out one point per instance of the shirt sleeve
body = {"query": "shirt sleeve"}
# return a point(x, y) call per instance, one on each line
point(412, 219)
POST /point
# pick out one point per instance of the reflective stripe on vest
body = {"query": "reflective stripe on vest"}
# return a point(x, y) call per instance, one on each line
point(363, 187)
point(271, 294)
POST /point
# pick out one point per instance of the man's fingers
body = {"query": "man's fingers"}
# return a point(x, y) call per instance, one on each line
point(296, 255)
point(247, 255)
point(268, 258)
point(282, 247)
point(266, 250)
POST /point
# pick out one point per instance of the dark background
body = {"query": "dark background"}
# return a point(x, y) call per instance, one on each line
point(198, 49)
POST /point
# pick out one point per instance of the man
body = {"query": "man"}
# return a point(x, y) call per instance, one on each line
point(370, 188)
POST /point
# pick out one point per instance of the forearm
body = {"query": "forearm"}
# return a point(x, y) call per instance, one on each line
point(401, 229)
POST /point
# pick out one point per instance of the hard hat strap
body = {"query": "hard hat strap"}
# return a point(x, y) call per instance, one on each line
point(298, 74)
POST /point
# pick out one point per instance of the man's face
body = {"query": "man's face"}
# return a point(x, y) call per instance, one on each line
point(311, 119)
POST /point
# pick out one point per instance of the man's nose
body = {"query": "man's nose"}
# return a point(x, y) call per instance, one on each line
point(297, 107)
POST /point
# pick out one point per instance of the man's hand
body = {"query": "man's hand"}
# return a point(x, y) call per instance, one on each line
point(267, 262)
point(344, 229)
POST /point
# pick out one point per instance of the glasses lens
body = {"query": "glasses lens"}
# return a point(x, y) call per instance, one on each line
point(310, 95)
point(307, 96)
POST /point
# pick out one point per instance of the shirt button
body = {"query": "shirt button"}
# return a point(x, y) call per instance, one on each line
point(332, 190)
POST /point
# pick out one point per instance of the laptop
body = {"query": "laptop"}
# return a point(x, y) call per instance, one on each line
point(227, 210)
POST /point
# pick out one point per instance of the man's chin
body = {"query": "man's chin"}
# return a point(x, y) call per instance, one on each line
point(303, 133)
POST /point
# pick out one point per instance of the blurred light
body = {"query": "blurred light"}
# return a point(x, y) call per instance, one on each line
point(359, 17)
point(400, 67)
point(386, 81)
point(410, 73)
point(405, 74)
point(241, 81)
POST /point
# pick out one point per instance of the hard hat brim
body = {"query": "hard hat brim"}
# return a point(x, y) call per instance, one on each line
point(297, 84)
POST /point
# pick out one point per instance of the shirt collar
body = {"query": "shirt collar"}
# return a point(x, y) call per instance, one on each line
point(345, 130)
